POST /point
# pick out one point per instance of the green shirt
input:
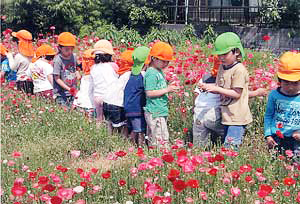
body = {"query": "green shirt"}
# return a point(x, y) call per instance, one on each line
point(155, 80)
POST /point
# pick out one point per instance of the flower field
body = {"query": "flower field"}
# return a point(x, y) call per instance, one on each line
point(49, 155)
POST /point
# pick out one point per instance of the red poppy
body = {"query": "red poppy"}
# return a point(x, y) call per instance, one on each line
point(120, 153)
point(167, 158)
point(279, 134)
point(193, 183)
point(266, 38)
point(213, 171)
point(185, 130)
point(264, 190)
point(182, 152)
point(106, 175)
point(43, 180)
point(79, 170)
point(235, 175)
point(83, 183)
point(260, 170)
point(94, 170)
point(173, 174)
point(32, 175)
point(18, 190)
point(248, 179)
point(56, 200)
point(179, 185)
point(279, 125)
point(219, 157)
point(133, 191)
point(73, 91)
point(49, 188)
point(122, 182)
point(288, 181)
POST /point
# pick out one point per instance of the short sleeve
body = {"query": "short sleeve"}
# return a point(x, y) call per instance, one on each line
point(150, 81)
point(57, 64)
point(239, 78)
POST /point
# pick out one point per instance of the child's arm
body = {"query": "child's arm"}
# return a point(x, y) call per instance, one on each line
point(232, 93)
point(258, 92)
point(61, 82)
point(12, 62)
point(157, 93)
point(269, 115)
point(50, 78)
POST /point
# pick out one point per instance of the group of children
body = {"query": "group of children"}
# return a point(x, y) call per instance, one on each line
point(132, 94)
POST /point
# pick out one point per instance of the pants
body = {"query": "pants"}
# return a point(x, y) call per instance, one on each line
point(207, 122)
point(157, 130)
point(26, 86)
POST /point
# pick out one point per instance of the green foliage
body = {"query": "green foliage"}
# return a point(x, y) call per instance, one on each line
point(271, 12)
point(209, 35)
point(291, 16)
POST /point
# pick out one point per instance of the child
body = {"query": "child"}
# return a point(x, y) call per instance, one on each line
point(84, 98)
point(21, 61)
point(64, 70)
point(282, 117)
point(232, 84)
point(156, 109)
point(6, 73)
point(41, 72)
point(102, 76)
point(207, 111)
point(135, 98)
point(113, 107)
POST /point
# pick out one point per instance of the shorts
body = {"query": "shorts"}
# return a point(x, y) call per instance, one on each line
point(47, 94)
point(136, 124)
point(26, 86)
point(114, 114)
point(157, 129)
point(65, 101)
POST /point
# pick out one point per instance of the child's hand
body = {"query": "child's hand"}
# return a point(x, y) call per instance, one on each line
point(296, 135)
point(208, 87)
point(261, 92)
point(172, 87)
point(271, 142)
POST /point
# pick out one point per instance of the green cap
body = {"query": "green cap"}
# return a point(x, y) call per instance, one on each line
point(227, 42)
point(139, 57)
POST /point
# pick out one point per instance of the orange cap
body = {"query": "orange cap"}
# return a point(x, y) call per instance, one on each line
point(44, 50)
point(26, 48)
point(289, 67)
point(217, 63)
point(3, 49)
point(66, 39)
point(126, 62)
point(162, 51)
point(22, 35)
point(87, 61)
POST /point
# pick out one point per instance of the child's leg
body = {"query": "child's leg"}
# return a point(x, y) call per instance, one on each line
point(157, 130)
point(213, 122)
point(200, 133)
point(233, 135)
point(98, 102)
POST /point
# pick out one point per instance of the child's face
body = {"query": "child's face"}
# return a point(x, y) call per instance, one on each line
point(66, 51)
point(290, 87)
point(229, 58)
point(159, 64)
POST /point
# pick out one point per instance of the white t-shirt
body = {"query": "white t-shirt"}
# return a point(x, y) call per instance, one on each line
point(39, 71)
point(115, 94)
point(19, 63)
point(85, 94)
point(206, 99)
point(102, 78)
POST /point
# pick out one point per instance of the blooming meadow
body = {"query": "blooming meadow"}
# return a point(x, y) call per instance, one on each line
point(52, 156)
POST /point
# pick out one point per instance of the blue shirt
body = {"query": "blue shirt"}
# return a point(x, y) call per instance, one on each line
point(10, 75)
point(282, 109)
point(134, 96)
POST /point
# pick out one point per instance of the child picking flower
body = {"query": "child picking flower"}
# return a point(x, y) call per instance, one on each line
point(282, 116)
